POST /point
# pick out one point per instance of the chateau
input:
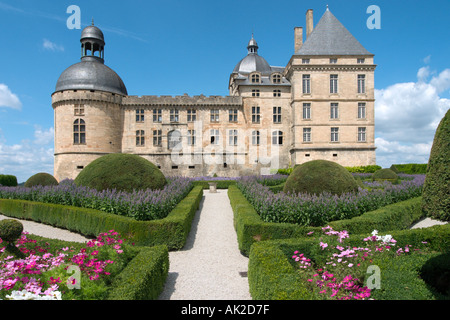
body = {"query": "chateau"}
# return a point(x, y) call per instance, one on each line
point(319, 106)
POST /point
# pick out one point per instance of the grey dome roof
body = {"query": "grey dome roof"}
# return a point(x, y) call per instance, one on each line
point(91, 74)
point(92, 32)
point(252, 62)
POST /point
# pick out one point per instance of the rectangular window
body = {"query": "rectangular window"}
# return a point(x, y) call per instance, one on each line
point(361, 83)
point(139, 115)
point(157, 115)
point(191, 115)
point(174, 117)
point(333, 83)
point(307, 111)
point(191, 138)
point(233, 115)
point(214, 115)
point(277, 93)
point(334, 134)
point(255, 93)
point(360, 60)
point(256, 117)
point(214, 133)
point(305, 61)
point(157, 138)
point(79, 110)
point(232, 137)
point(79, 132)
point(140, 138)
point(276, 114)
point(306, 81)
point(362, 134)
point(306, 134)
point(333, 60)
point(255, 138)
point(361, 110)
point(334, 111)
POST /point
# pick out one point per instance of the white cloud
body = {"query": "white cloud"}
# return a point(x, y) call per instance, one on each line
point(48, 45)
point(28, 157)
point(407, 115)
point(9, 99)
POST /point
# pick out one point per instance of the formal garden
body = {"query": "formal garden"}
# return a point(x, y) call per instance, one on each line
point(317, 231)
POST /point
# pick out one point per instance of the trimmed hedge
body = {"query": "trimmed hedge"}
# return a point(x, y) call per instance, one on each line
point(171, 231)
point(221, 184)
point(363, 169)
point(250, 228)
point(272, 276)
point(8, 180)
point(41, 179)
point(410, 168)
point(144, 276)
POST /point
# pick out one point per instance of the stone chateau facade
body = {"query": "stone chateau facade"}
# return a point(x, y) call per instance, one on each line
point(319, 106)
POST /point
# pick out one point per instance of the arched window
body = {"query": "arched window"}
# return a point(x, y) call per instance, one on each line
point(79, 132)
point(277, 137)
point(174, 139)
point(255, 138)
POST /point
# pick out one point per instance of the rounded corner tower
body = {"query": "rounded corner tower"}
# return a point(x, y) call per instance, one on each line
point(87, 109)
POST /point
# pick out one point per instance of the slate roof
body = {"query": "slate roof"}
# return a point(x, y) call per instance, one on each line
point(330, 37)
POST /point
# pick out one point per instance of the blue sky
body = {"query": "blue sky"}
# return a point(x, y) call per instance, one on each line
point(176, 47)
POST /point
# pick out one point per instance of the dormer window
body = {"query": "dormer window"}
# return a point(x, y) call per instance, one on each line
point(255, 78)
point(276, 78)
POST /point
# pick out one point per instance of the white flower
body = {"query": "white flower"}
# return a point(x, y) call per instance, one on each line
point(26, 295)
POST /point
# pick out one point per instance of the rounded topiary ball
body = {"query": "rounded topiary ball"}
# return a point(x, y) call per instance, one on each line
point(124, 172)
point(436, 189)
point(10, 230)
point(319, 176)
point(385, 174)
point(41, 179)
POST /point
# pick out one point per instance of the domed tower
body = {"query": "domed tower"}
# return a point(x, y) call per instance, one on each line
point(87, 109)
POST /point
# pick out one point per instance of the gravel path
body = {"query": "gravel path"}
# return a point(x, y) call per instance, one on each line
point(209, 265)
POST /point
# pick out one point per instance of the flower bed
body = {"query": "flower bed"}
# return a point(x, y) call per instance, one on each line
point(333, 265)
point(79, 271)
point(312, 210)
point(141, 205)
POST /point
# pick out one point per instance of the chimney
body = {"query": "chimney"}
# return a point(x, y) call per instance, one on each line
point(309, 22)
point(298, 38)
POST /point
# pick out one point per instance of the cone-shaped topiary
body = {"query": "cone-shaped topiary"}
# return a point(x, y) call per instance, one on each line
point(385, 174)
point(124, 172)
point(318, 176)
point(436, 189)
point(41, 179)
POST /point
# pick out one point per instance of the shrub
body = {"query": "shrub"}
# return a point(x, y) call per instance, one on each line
point(10, 230)
point(410, 168)
point(363, 169)
point(8, 180)
point(385, 174)
point(41, 179)
point(319, 176)
point(123, 172)
point(436, 193)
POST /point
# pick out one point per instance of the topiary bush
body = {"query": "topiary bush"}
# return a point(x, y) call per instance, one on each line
point(120, 171)
point(10, 230)
point(385, 174)
point(436, 189)
point(318, 176)
point(41, 179)
point(8, 180)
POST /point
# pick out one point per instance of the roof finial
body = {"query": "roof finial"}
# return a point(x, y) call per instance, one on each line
point(92, 20)
point(327, 8)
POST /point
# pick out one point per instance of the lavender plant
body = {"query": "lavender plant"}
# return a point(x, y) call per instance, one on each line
point(316, 210)
point(139, 204)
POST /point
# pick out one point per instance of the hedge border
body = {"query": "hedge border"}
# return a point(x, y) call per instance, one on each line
point(171, 231)
point(144, 277)
point(250, 228)
point(272, 276)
